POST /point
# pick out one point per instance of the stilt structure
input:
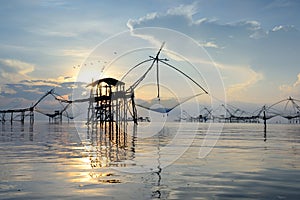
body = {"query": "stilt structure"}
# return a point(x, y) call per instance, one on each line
point(55, 117)
point(109, 105)
point(31, 115)
point(16, 115)
point(296, 120)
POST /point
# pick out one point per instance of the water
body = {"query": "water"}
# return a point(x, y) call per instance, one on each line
point(48, 161)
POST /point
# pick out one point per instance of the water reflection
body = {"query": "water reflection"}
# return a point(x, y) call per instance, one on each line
point(24, 132)
point(48, 162)
point(109, 151)
point(105, 149)
point(157, 193)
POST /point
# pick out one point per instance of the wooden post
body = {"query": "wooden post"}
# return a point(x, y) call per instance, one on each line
point(265, 126)
point(11, 117)
point(3, 118)
point(60, 117)
point(31, 116)
point(22, 117)
point(134, 111)
point(125, 114)
point(265, 120)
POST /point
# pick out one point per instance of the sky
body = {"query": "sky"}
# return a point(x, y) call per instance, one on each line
point(253, 44)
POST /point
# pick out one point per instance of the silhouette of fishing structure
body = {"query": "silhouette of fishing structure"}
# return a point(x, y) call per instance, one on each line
point(111, 105)
point(233, 115)
point(287, 108)
point(110, 102)
point(21, 113)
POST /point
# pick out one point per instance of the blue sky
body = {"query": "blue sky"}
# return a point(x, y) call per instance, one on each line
point(255, 44)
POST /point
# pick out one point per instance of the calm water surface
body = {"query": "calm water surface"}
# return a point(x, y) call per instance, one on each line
point(48, 161)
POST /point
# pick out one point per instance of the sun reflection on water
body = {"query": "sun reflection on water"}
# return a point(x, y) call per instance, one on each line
point(99, 156)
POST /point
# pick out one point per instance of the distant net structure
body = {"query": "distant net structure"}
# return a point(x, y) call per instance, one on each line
point(50, 104)
point(164, 96)
point(204, 115)
point(232, 114)
point(164, 106)
point(287, 108)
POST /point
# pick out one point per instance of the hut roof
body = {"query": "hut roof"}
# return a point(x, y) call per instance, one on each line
point(109, 81)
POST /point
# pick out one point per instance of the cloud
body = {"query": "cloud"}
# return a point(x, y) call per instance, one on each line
point(232, 38)
point(17, 66)
point(185, 10)
point(26, 92)
point(19, 88)
point(80, 53)
point(297, 83)
point(284, 28)
point(210, 44)
point(271, 53)
point(292, 89)
point(69, 31)
point(280, 4)
point(52, 33)
point(238, 79)
point(248, 78)
point(181, 19)
point(12, 70)
point(277, 28)
point(54, 3)
point(38, 82)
